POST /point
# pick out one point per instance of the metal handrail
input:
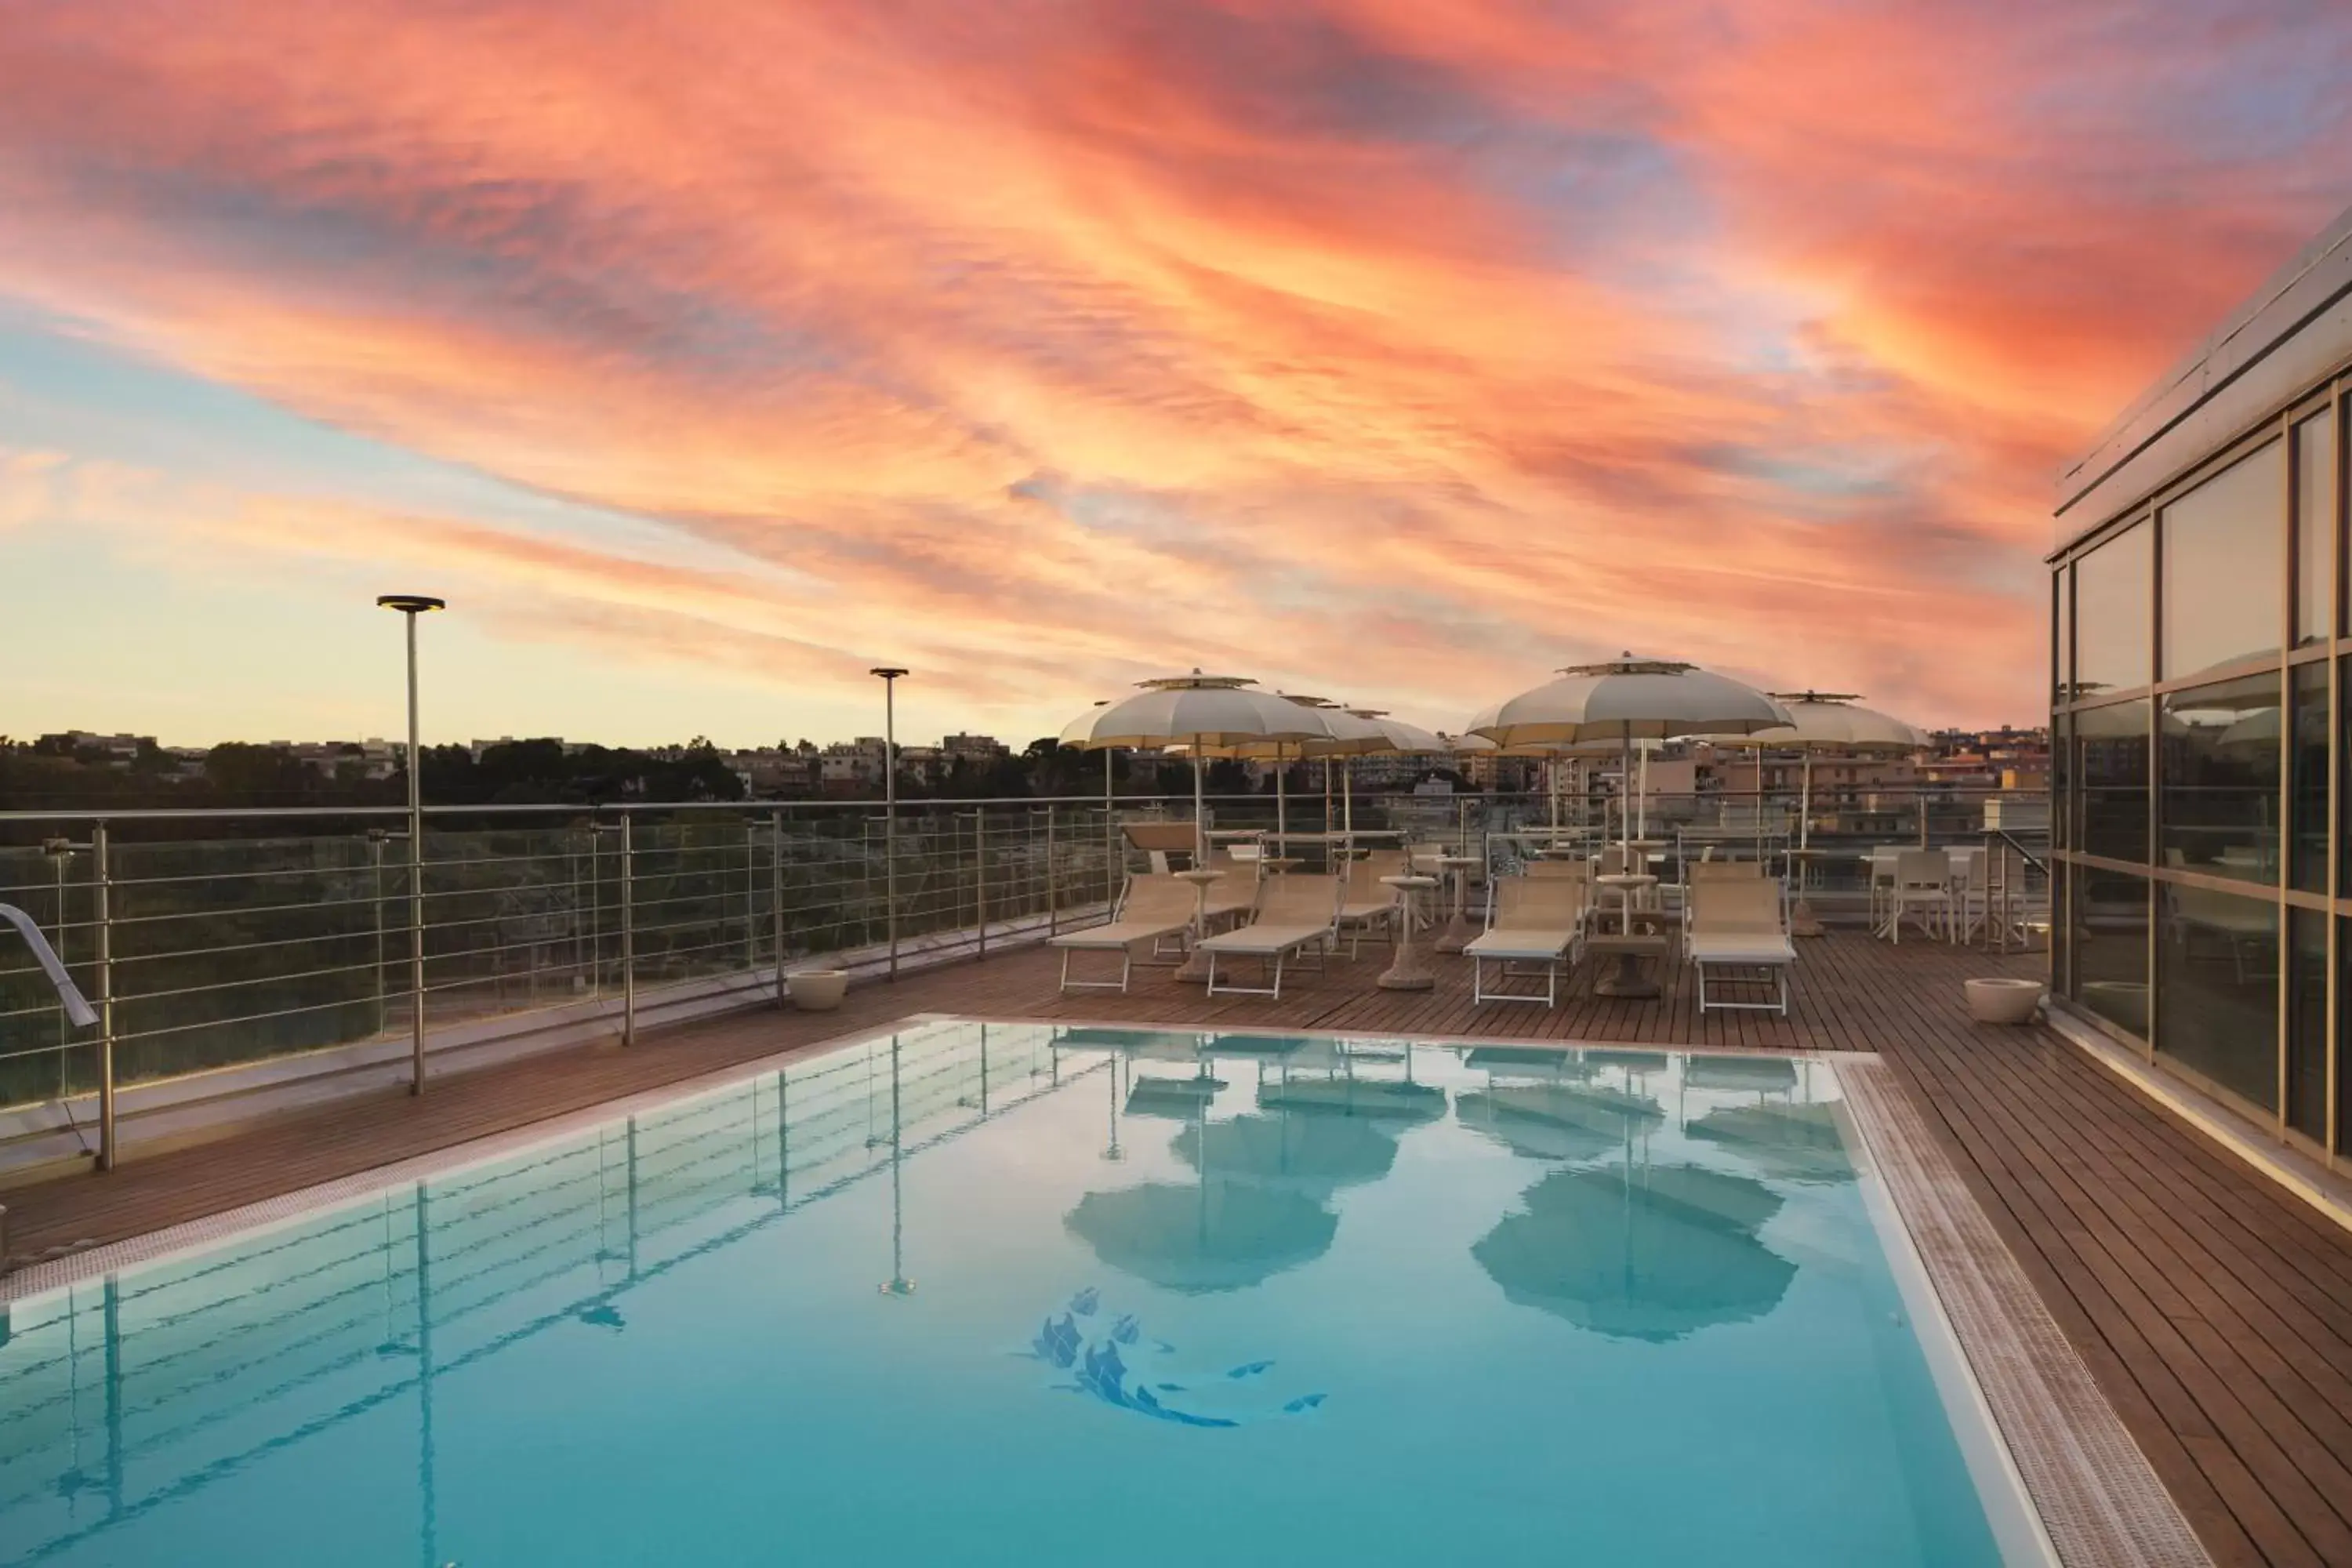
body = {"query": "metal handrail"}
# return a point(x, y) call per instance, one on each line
point(77, 1006)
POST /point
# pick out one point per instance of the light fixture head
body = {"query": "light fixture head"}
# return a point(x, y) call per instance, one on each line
point(887, 671)
point(410, 604)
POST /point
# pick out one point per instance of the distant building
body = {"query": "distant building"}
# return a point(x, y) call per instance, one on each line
point(106, 751)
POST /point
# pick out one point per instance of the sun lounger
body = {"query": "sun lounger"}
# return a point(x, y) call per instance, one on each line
point(1232, 896)
point(1737, 926)
point(1365, 903)
point(1154, 907)
point(1294, 913)
point(1534, 920)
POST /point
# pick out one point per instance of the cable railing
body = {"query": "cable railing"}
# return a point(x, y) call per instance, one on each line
point(222, 940)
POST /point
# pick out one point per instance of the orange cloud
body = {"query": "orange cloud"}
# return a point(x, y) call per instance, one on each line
point(1366, 344)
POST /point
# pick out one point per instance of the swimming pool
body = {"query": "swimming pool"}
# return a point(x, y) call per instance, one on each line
point(979, 1293)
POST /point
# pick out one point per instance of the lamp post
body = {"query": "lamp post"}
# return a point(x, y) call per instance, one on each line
point(890, 674)
point(412, 606)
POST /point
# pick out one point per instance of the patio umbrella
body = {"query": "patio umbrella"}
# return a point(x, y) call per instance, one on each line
point(1829, 722)
point(1652, 1256)
point(1374, 1099)
point(1796, 1143)
point(1220, 1236)
point(1628, 699)
point(1198, 712)
point(1327, 730)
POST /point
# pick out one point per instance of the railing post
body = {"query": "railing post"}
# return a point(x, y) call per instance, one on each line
point(1053, 894)
point(980, 873)
point(891, 869)
point(375, 837)
point(415, 929)
point(776, 896)
point(103, 917)
point(628, 936)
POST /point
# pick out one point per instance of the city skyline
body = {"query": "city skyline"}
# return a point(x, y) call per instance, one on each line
point(1397, 353)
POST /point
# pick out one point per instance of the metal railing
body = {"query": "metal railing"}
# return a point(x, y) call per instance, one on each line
point(219, 939)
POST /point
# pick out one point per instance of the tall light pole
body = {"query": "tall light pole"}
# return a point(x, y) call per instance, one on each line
point(890, 674)
point(412, 606)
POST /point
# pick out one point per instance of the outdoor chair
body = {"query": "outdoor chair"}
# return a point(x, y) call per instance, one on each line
point(1737, 925)
point(1922, 889)
point(1157, 841)
point(1530, 920)
point(1971, 893)
point(1153, 908)
point(1295, 913)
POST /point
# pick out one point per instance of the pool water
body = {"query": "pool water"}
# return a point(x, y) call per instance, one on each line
point(975, 1293)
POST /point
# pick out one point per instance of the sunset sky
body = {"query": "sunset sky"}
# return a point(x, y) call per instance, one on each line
point(703, 354)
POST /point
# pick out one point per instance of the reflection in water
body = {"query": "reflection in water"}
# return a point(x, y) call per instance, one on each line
point(1111, 1359)
point(1315, 1155)
point(1793, 1142)
point(1556, 1121)
point(1220, 1234)
point(1648, 1255)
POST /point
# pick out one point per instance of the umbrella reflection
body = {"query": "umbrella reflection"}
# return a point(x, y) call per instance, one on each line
point(1220, 1236)
point(1317, 1154)
point(1650, 1256)
point(1793, 1141)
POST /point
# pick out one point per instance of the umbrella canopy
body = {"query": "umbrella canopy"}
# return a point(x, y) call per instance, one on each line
point(1196, 711)
point(1650, 1256)
point(1219, 1236)
point(1833, 721)
point(1626, 700)
point(1830, 721)
point(1400, 738)
point(1313, 1154)
point(1629, 698)
point(1793, 1143)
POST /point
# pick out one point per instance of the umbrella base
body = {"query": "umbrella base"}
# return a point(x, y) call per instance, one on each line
point(1409, 970)
point(1803, 922)
point(1456, 934)
point(1195, 968)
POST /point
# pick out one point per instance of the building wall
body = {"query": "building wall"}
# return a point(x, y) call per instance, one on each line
point(2202, 684)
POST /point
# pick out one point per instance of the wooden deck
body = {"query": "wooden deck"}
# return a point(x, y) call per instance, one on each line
point(2214, 1310)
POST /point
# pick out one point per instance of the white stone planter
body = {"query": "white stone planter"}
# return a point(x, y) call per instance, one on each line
point(2003, 1000)
point(817, 990)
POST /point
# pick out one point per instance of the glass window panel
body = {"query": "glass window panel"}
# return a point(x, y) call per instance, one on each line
point(2218, 800)
point(2061, 636)
point(2112, 600)
point(2109, 938)
point(2217, 988)
point(2311, 762)
point(2314, 524)
point(2343, 1038)
point(2061, 930)
point(2225, 566)
point(2306, 1029)
point(2062, 782)
point(2111, 768)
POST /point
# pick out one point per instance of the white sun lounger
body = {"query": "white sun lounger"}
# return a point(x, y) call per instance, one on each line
point(1534, 920)
point(1294, 913)
point(1737, 926)
point(1365, 903)
point(1154, 907)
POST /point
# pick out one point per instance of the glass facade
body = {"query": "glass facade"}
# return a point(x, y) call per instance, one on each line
point(2216, 803)
point(2224, 568)
point(2202, 820)
point(2114, 587)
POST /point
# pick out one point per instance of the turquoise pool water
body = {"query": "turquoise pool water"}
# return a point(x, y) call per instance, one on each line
point(1007, 1294)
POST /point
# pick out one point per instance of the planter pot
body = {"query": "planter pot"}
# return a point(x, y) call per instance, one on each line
point(2003, 1000)
point(817, 990)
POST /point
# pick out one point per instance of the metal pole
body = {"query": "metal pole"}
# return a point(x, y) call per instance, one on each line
point(375, 864)
point(980, 873)
point(103, 915)
point(890, 674)
point(776, 896)
point(416, 883)
point(1053, 894)
point(628, 938)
